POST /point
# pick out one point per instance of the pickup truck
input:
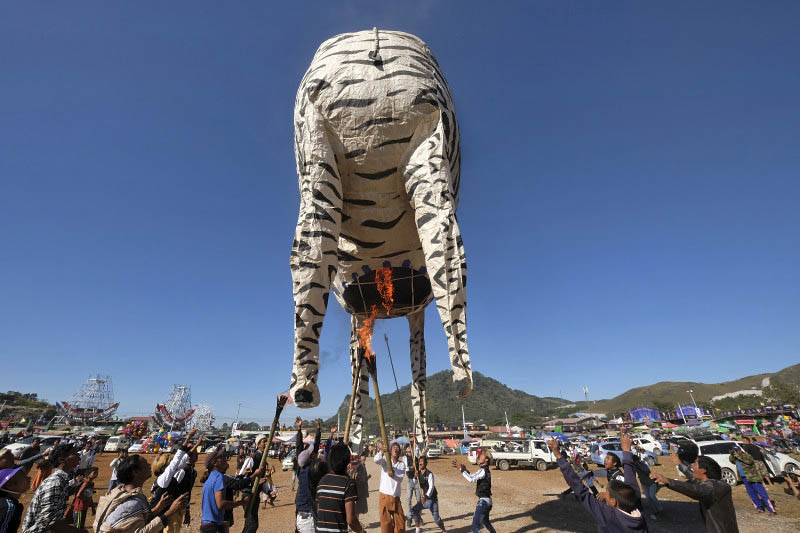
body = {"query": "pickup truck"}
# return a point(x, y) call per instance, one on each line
point(533, 452)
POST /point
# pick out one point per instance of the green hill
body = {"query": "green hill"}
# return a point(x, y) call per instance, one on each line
point(665, 394)
point(490, 398)
point(485, 406)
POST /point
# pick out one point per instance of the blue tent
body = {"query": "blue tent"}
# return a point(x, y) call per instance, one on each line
point(559, 436)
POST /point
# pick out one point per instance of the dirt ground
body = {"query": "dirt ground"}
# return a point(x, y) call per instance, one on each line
point(524, 500)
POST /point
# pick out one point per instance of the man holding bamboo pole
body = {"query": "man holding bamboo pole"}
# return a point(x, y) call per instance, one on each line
point(392, 474)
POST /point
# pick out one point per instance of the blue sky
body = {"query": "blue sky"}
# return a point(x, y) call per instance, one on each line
point(629, 194)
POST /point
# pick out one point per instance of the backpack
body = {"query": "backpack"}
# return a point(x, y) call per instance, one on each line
point(109, 502)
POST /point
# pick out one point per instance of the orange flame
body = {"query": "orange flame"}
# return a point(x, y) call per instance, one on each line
point(383, 277)
point(365, 333)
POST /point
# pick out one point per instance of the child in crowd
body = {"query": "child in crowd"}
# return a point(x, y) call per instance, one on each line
point(84, 499)
point(617, 509)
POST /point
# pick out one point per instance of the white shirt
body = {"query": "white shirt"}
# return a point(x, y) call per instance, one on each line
point(391, 485)
point(87, 459)
point(113, 465)
point(174, 469)
point(248, 464)
point(472, 478)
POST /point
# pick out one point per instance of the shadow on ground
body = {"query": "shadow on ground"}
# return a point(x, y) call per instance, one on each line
point(569, 515)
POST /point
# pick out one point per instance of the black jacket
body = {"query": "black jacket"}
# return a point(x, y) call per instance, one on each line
point(716, 503)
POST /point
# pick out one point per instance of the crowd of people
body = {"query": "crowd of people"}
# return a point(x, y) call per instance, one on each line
point(630, 499)
point(331, 489)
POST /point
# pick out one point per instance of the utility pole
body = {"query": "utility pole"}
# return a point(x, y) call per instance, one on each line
point(236, 422)
point(690, 391)
point(681, 412)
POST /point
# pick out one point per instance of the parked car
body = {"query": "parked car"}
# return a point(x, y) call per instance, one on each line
point(114, 444)
point(434, 451)
point(287, 463)
point(534, 452)
point(649, 444)
point(601, 449)
point(20, 446)
point(136, 447)
point(720, 451)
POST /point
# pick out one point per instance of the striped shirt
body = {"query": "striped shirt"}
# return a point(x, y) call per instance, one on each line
point(332, 492)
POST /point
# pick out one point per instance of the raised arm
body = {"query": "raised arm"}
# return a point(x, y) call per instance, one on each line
point(586, 498)
point(627, 464)
point(177, 464)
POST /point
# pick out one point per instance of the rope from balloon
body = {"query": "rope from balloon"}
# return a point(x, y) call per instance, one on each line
point(281, 403)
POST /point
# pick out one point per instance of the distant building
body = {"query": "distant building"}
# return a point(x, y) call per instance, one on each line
point(746, 392)
point(572, 422)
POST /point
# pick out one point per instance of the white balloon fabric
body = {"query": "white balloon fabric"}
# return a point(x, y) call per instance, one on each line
point(378, 158)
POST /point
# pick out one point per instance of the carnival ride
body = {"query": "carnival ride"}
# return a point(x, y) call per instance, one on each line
point(202, 420)
point(93, 402)
point(177, 410)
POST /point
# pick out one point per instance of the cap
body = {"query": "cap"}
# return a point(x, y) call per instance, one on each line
point(8, 473)
point(213, 457)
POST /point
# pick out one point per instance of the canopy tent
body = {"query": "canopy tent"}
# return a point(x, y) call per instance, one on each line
point(559, 436)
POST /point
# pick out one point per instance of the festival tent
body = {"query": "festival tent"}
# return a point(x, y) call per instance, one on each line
point(559, 436)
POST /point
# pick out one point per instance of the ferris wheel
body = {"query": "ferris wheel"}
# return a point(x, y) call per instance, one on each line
point(202, 420)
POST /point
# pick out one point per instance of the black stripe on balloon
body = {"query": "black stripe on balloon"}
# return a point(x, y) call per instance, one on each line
point(363, 244)
point(355, 153)
point(400, 47)
point(396, 141)
point(337, 40)
point(420, 98)
point(321, 197)
point(310, 286)
point(350, 82)
point(424, 219)
point(377, 175)
point(331, 187)
point(403, 73)
point(375, 122)
point(310, 308)
point(351, 102)
point(342, 53)
point(393, 254)
point(383, 225)
point(358, 201)
point(328, 169)
point(316, 86)
point(324, 234)
point(344, 256)
point(368, 61)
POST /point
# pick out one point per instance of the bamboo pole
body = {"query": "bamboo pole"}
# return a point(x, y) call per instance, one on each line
point(373, 371)
point(281, 403)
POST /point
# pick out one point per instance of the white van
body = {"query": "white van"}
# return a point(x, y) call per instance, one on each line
point(114, 444)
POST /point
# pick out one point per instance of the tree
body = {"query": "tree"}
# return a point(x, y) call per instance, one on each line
point(780, 392)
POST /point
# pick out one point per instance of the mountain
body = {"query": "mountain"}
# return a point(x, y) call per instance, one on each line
point(665, 394)
point(485, 406)
point(490, 399)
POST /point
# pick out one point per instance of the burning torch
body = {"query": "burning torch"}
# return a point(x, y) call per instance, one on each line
point(372, 367)
point(281, 403)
